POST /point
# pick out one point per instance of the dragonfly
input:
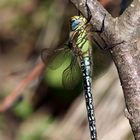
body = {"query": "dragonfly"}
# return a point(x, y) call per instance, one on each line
point(79, 47)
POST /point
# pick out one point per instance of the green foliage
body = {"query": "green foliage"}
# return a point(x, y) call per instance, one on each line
point(23, 109)
point(35, 129)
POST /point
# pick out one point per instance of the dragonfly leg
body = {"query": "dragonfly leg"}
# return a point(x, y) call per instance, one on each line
point(102, 48)
point(107, 47)
point(102, 26)
point(113, 45)
point(88, 13)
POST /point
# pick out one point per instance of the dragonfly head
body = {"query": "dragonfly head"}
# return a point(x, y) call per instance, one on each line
point(77, 22)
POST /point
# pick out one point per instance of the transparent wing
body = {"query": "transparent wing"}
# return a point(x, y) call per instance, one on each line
point(97, 40)
point(72, 74)
point(55, 57)
point(45, 53)
point(102, 57)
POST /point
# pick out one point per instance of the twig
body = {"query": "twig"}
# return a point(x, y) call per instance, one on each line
point(9, 100)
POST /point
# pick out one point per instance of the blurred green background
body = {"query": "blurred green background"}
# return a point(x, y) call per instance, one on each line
point(40, 107)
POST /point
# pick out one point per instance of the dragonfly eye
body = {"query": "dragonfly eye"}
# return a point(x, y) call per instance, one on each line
point(74, 24)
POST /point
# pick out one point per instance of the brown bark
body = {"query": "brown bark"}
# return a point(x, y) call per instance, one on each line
point(124, 30)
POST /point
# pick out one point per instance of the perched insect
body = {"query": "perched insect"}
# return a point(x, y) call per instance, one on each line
point(79, 45)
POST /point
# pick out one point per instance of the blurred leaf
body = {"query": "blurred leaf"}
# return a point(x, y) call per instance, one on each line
point(23, 109)
point(35, 131)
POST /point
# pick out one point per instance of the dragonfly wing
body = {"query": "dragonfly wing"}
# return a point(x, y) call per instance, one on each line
point(71, 74)
point(55, 57)
point(97, 40)
point(98, 54)
point(45, 53)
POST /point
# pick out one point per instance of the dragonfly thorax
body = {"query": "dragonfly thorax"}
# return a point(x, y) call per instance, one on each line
point(79, 42)
point(77, 22)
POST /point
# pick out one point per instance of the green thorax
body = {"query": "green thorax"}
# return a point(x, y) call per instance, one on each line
point(79, 37)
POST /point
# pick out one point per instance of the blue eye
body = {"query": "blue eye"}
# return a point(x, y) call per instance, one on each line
point(74, 24)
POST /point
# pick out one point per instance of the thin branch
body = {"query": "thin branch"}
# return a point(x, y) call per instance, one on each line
point(9, 100)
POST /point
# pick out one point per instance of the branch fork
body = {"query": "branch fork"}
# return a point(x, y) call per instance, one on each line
point(126, 55)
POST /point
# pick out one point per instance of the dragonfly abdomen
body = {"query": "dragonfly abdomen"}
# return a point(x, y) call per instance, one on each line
point(86, 65)
point(81, 47)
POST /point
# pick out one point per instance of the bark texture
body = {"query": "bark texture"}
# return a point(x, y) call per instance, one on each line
point(126, 55)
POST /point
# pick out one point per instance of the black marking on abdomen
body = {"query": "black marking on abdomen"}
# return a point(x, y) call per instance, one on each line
point(86, 67)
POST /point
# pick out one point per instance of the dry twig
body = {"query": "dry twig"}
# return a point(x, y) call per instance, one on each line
point(9, 100)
